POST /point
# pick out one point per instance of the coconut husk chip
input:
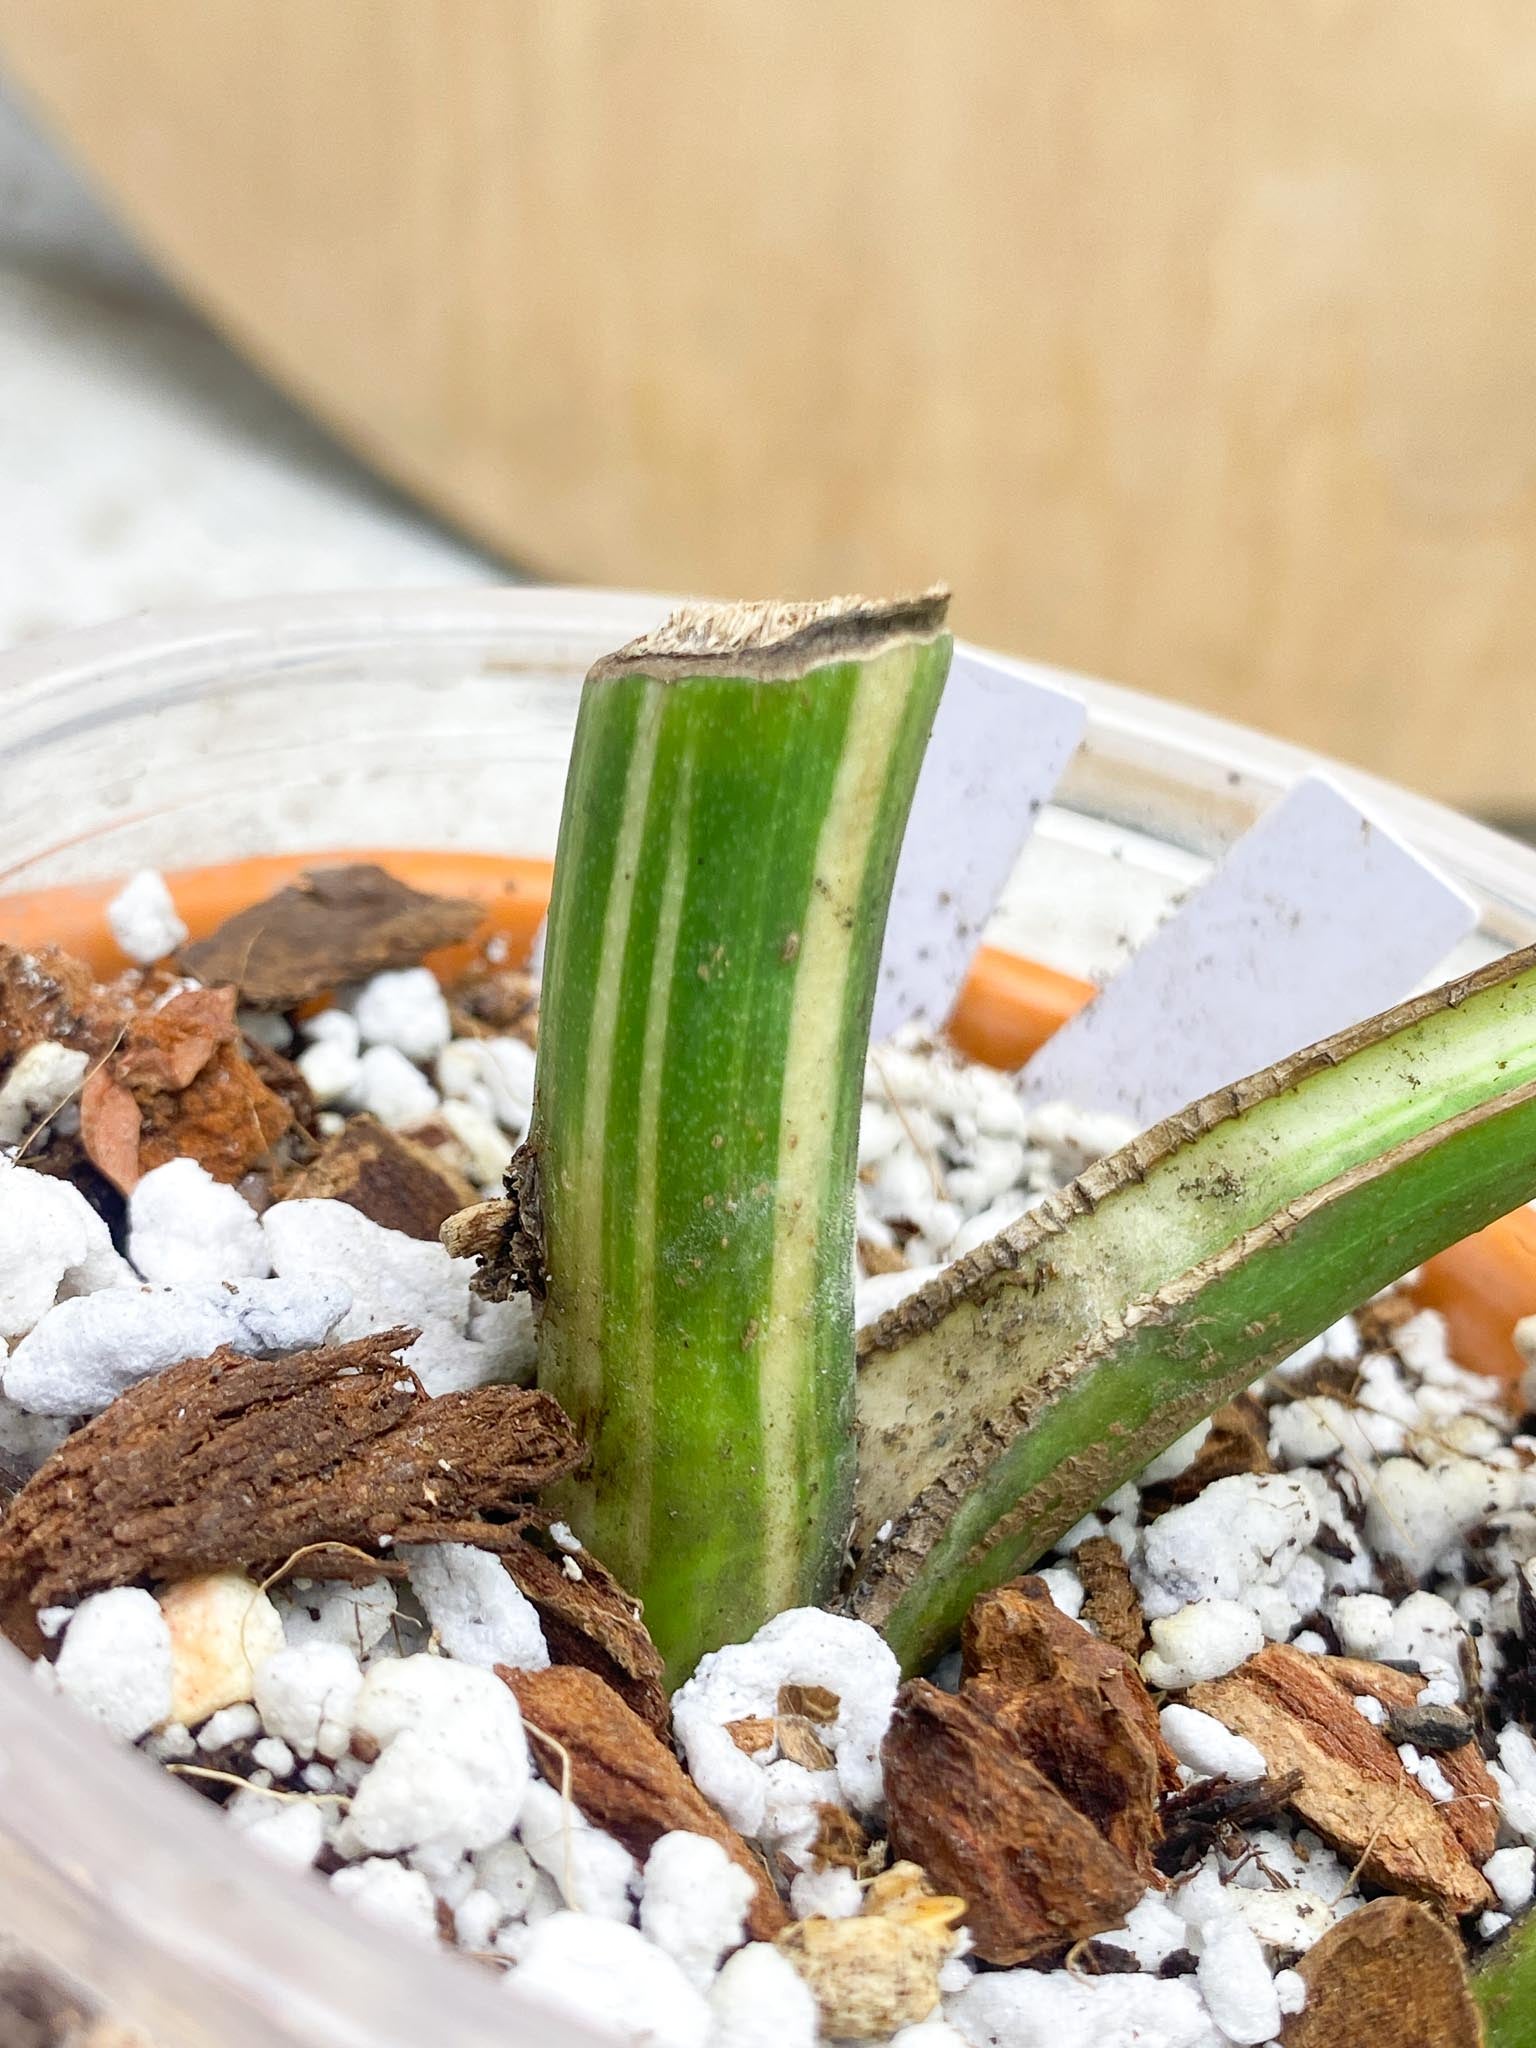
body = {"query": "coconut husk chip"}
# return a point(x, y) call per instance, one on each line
point(1392, 1975)
point(1033, 1794)
point(385, 1176)
point(1351, 1786)
point(624, 1778)
point(331, 926)
point(1110, 1599)
point(231, 1462)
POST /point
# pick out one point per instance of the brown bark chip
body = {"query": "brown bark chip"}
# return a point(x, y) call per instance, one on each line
point(991, 1828)
point(624, 1778)
point(231, 1461)
point(1352, 1786)
point(1110, 1599)
point(1238, 1441)
point(590, 1622)
point(495, 1002)
point(48, 994)
point(800, 1744)
point(1390, 1976)
point(384, 1176)
point(1474, 1813)
point(332, 925)
point(811, 1702)
point(1094, 1719)
point(179, 1084)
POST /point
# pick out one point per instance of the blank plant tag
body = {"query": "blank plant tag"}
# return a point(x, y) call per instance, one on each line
point(1316, 918)
point(1000, 744)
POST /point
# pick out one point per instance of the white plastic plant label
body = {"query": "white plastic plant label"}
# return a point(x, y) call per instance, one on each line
point(1316, 918)
point(1000, 744)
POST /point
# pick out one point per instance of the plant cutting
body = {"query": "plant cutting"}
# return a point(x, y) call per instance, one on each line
point(717, 1490)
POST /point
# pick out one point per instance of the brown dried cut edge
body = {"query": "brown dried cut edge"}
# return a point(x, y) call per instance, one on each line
point(624, 1778)
point(333, 925)
point(1352, 1788)
point(234, 1462)
point(1390, 1976)
point(505, 1237)
point(384, 1176)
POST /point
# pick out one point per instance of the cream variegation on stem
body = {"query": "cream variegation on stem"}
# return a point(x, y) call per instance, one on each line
point(737, 796)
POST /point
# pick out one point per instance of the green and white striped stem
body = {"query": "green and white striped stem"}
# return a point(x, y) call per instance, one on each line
point(1026, 1382)
point(737, 796)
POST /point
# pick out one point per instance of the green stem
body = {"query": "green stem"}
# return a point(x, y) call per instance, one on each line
point(1027, 1382)
point(1504, 1986)
point(738, 791)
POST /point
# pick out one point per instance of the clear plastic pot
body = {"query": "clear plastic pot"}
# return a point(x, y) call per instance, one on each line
point(442, 722)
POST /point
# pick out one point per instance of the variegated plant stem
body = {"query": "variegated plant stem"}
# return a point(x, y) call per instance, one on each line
point(1026, 1382)
point(737, 796)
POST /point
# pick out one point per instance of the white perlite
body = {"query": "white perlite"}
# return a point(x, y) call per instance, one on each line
point(331, 1611)
point(1509, 1871)
point(144, 920)
point(594, 1873)
point(801, 1647)
point(291, 1831)
point(185, 1226)
point(52, 1243)
point(1208, 1748)
point(1205, 1640)
point(493, 1075)
point(40, 1081)
point(1054, 2009)
point(581, 1967)
point(115, 1662)
point(332, 1071)
point(230, 1724)
point(91, 1347)
point(306, 1696)
point(694, 1903)
point(397, 1898)
point(403, 1008)
point(393, 1279)
point(390, 1088)
point(453, 1768)
point(759, 2000)
point(1235, 1983)
point(476, 1612)
point(1240, 1533)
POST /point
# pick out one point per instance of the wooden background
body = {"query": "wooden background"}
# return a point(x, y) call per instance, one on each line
point(1194, 343)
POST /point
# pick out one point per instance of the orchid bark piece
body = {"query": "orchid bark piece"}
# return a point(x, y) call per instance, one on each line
point(1022, 1385)
point(737, 795)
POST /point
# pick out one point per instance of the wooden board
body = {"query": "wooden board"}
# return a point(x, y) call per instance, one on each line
point(1194, 345)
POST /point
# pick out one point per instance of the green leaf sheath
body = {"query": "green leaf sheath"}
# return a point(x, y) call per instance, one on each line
point(1029, 1381)
point(725, 863)
point(1504, 1986)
